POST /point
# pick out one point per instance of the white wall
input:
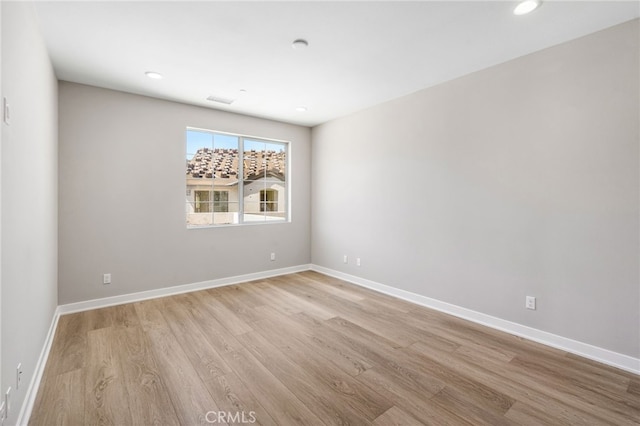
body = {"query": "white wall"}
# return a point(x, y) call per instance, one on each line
point(521, 179)
point(1, 114)
point(122, 192)
point(29, 198)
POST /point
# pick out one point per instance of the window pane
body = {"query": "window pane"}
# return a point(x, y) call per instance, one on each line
point(265, 180)
point(198, 187)
point(275, 201)
point(225, 182)
point(212, 178)
point(253, 153)
point(264, 160)
point(264, 201)
point(225, 157)
point(252, 189)
point(276, 160)
point(197, 141)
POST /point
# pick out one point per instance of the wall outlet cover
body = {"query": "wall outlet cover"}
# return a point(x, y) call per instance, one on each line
point(530, 302)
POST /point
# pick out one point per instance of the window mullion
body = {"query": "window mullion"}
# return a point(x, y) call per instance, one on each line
point(213, 183)
point(240, 180)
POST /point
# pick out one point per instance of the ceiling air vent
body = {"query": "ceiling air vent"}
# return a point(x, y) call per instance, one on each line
point(220, 99)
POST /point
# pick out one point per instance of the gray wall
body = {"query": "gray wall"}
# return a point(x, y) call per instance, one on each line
point(1, 132)
point(122, 197)
point(29, 198)
point(521, 179)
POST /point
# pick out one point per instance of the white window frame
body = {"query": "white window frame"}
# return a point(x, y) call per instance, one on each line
point(287, 182)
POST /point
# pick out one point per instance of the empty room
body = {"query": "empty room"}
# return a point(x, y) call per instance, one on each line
point(438, 221)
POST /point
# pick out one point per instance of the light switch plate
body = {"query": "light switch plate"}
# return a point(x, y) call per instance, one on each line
point(7, 401)
point(6, 112)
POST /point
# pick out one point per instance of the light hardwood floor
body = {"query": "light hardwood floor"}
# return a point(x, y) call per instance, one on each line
point(307, 349)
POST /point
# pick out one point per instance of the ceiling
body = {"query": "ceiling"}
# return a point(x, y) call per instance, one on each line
point(360, 53)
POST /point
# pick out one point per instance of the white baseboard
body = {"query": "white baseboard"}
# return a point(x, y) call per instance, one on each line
point(34, 384)
point(32, 391)
point(169, 291)
point(605, 356)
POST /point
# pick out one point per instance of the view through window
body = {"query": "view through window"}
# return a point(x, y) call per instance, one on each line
point(233, 179)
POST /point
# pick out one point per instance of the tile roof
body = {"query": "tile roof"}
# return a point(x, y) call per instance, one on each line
point(223, 164)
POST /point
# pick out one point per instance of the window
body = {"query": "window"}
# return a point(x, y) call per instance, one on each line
point(221, 201)
point(234, 179)
point(268, 200)
point(204, 204)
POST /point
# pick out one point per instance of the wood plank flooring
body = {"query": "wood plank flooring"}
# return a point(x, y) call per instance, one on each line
point(307, 349)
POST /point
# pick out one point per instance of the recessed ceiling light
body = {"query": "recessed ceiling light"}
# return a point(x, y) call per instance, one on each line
point(526, 6)
point(153, 74)
point(300, 44)
point(301, 109)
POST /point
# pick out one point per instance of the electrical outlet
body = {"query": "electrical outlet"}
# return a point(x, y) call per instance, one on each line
point(18, 375)
point(273, 257)
point(357, 261)
point(530, 302)
point(345, 259)
point(106, 279)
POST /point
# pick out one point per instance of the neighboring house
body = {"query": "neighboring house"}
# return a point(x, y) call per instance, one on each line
point(212, 195)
